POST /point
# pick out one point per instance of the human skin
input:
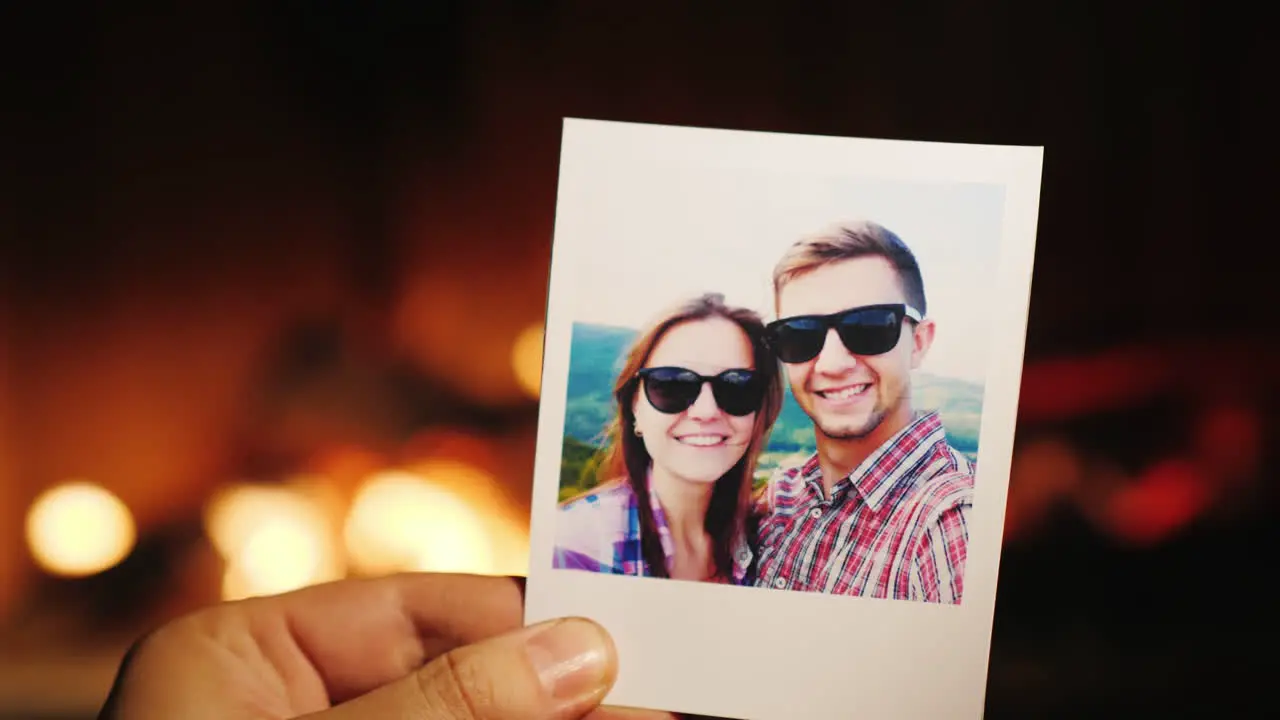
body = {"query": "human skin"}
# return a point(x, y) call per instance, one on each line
point(437, 647)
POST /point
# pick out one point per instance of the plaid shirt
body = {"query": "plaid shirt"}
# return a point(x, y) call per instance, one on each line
point(600, 532)
point(893, 528)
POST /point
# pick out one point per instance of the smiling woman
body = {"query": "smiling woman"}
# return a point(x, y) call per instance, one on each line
point(695, 400)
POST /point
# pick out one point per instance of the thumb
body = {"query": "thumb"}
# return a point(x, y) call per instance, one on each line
point(557, 670)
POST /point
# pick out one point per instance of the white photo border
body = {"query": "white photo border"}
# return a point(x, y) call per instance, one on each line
point(773, 654)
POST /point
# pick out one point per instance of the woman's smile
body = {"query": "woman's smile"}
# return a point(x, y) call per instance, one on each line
point(702, 440)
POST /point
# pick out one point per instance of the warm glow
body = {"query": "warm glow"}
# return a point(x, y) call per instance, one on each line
point(282, 554)
point(274, 539)
point(526, 359)
point(236, 513)
point(79, 529)
point(402, 521)
point(514, 557)
point(1159, 503)
point(468, 465)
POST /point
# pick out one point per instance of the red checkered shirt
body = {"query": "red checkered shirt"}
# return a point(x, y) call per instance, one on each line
point(893, 528)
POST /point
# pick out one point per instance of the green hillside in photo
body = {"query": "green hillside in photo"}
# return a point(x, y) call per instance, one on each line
point(596, 356)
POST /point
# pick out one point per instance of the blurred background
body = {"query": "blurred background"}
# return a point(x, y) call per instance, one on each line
point(273, 277)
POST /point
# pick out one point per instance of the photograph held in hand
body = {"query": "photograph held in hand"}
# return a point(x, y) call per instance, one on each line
point(779, 391)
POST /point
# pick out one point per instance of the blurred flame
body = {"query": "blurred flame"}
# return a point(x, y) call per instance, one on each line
point(236, 512)
point(401, 521)
point(469, 465)
point(1044, 473)
point(513, 559)
point(508, 537)
point(282, 554)
point(526, 359)
point(1162, 501)
point(79, 529)
point(273, 539)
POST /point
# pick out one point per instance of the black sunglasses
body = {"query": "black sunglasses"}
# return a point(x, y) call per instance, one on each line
point(867, 330)
point(672, 390)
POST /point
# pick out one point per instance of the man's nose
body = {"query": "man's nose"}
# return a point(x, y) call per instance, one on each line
point(705, 406)
point(835, 358)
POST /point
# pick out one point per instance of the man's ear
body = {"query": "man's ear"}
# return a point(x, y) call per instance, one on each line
point(922, 340)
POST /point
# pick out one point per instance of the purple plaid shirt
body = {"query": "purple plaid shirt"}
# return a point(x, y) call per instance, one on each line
point(600, 532)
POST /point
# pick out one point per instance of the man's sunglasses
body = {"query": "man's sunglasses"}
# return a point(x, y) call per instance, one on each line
point(672, 390)
point(867, 330)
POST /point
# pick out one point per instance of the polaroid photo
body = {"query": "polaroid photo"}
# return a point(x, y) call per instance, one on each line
point(780, 382)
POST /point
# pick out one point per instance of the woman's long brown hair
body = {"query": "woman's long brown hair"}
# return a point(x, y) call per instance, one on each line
point(626, 456)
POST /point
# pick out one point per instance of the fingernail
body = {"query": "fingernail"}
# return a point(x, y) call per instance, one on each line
point(571, 658)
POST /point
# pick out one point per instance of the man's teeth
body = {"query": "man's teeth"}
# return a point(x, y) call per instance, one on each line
point(846, 393)
point(701, 440)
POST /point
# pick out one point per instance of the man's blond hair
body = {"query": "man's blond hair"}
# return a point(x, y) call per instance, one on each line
point(847, 241)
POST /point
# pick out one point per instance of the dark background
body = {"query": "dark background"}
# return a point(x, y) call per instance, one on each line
point(220, 219)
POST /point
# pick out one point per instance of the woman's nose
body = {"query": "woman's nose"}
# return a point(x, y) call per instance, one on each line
point(705, 406)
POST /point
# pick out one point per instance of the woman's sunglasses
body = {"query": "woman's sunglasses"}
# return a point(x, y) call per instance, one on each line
point(867, 330)
point(672, 390)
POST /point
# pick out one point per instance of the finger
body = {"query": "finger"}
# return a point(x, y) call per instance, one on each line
point(359, 635)
point(558, 670)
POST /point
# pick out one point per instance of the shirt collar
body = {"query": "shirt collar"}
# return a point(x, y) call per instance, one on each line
point(883, 468)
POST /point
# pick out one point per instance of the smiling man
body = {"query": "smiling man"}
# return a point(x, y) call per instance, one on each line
point(880, 509)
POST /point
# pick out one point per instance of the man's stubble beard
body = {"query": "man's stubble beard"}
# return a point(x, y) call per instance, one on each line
point(876, 418)
point(873, 422)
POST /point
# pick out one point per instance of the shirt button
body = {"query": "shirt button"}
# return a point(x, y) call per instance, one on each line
point(815, 513)
point(779, 582)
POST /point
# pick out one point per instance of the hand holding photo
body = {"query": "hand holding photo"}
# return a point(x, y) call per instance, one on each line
point(770, 363)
